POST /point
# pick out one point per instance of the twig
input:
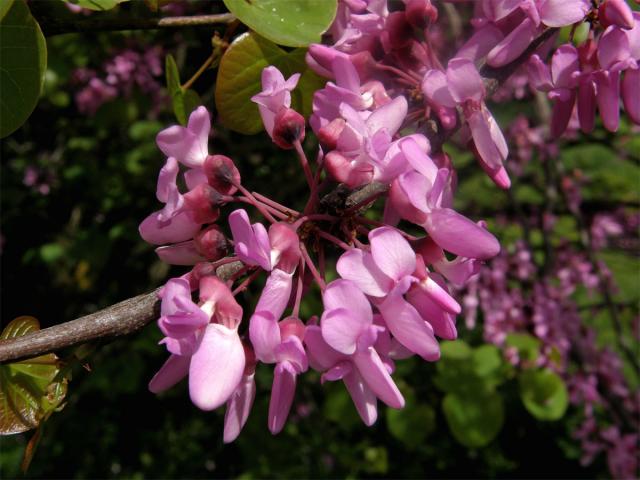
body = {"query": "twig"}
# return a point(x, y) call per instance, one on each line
point(60, 24)
point(120, 319)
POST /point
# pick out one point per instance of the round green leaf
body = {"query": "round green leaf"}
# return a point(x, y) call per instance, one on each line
point(5, 5)
point(293, 23)
point(544, 394)
point(23, 63)
point(474, 420)
point(412, 424)
point(527, 345)
point(239, 78)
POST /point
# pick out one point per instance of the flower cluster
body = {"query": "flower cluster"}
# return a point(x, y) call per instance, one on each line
point(381, 119)
point(127, 70)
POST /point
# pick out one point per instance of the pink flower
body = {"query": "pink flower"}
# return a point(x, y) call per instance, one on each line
point(275, 96)
point(462, 85)
point(189, 145)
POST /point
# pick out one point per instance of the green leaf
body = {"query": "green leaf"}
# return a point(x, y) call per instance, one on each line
point(412, 424)
point(486, 360)
point(184, 101)
point(5, 5)
point(99, 5)
point(527, 345)
point(239, 78)
point(30, 389)
point(474, 420)
point(23, 64)
point(544, 394)
point(293, 23)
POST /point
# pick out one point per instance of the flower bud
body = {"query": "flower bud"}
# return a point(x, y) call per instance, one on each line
point(420, 13)
point(288, 128)
point(211, 243)
point(202, 202)
point(222, 174)
point(616, 12)
point(329, 134)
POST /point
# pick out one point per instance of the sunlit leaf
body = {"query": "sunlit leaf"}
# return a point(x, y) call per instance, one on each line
point(23, 62)
point(544, 394)
point(5, 5)
point(527, 345)
point(293, 23)
point(239, 78)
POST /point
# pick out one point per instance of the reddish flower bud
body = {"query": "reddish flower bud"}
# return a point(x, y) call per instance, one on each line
point(420, 13)
point(222, 174)
point(203, 203)
point(329, 134)
point(211, 243)
point(288, 127)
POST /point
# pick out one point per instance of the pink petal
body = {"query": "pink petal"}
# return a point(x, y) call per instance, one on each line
point(337, 372)
point(282, 391)
point(436, 89)
point(408, 327)
point(417, 158)
point(513, 44)
point(345, 74)
point(390, 116)
point(560, 13)
point(539, 74)
point(167, 179)
point(345, 294)
point(321, 356)
point(216, 367)
point(392, 253)
point(194, 177)
point(564, 64)
point(464, 80)
point(483, 138)
point(631, 94)
point(174, 369)
point(564, 101)
point(264, 334)
point(613, 47)
point(587, 105)
point(359, 267)
point(178, 229)
point(377, 378)
point(238, 408)
point(459, 235)
point(276, 293)
point(292, 352)
point(363, 398)
point(341, 329)
point(184, 253)
point(608, 98)
point(480, 43)
point(443, 323)
point(416, 187)
point(251, 241)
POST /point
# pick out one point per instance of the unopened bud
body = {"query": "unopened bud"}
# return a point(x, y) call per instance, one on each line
point(420, 13)
point(211, 243)
point(329, 134)
point(202, 202)
point(616, 12)
point(222, 174)
point(288, 127)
